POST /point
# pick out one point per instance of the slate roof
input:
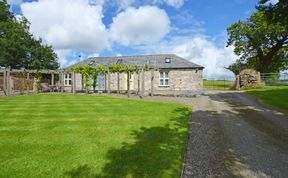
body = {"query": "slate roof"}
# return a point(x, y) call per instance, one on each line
point(157, 61)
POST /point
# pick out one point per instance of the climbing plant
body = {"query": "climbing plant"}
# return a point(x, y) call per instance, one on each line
point(91, 73)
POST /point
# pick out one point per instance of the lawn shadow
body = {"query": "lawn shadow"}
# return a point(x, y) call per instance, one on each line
point(156, 152)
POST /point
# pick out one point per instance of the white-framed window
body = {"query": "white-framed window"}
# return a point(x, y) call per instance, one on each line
point(67, 79)
point(164, 78)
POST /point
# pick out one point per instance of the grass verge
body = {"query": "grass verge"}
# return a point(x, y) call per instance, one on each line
point(274, 96)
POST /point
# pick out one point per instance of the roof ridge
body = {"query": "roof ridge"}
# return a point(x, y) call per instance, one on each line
point(134, 55)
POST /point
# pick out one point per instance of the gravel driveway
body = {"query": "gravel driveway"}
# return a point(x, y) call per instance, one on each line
point(233, 135)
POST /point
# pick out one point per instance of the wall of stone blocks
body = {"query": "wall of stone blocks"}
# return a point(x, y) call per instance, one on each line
point(181, 81)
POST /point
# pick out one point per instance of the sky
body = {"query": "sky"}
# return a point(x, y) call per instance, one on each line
point(192, 29)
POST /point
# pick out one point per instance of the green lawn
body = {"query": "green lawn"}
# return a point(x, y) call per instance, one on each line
point(54, 135)
point(218, 84)
point(275, 96)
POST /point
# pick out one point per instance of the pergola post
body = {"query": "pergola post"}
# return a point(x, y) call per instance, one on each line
point(128, 84)
point(73, 83)
point(62, 81)
point(143, 83)
point(8, 84)
point(118, 82)
point(108, 80)
point(152, 82)
point(52, 81)
point(28, 82)
point(5, 81)
point(138, 92)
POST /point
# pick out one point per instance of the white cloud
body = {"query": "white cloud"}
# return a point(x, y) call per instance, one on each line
point(144, 25)
point(123, 4)
point(204, 52)
point(68, 24)
point(15, 2)
point(62, 57)
point(174, 3)
point(198, 49)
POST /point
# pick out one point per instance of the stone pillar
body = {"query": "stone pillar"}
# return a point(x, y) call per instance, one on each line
point(237, 86)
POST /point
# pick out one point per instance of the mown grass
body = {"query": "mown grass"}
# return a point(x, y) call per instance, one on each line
point(276, 96)
point(55, 135)
point(218, 84)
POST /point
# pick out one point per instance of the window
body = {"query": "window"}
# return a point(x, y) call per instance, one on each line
point(167, 60)
point(67, 79)
point(164, 79)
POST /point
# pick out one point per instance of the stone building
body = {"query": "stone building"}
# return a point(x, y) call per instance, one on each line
point(173, 75)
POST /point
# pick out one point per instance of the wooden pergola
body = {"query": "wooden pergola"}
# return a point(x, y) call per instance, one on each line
point(7, 72)
point(61, 72)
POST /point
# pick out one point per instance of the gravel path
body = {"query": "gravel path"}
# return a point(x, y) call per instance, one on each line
point(233, 135)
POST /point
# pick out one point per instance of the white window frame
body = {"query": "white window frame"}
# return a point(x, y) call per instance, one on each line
point(67, 79)
point(164, 76)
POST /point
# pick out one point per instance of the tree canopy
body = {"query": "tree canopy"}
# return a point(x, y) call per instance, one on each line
point(261, 41)
point(18, 47)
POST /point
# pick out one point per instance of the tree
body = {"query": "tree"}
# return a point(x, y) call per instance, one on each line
point(261, 41)
point(18, 48)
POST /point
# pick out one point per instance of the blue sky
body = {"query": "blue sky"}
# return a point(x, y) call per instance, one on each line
point(193, 29)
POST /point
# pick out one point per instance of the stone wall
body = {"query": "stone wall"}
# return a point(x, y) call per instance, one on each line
point(181, 82)
point(248, 78)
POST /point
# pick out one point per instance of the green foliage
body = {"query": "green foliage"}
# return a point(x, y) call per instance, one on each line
point(69, 135)
point(38, 78)
point(91, 72)
point(18, 48)
point(261, 42)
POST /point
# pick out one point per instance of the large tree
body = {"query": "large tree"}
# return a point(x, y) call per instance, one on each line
point(18, 47)
point(261, 41)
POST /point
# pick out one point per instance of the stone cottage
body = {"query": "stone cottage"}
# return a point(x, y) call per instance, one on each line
point(173, 75)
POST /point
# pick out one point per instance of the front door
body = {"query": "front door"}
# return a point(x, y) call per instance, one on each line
point(131, 80)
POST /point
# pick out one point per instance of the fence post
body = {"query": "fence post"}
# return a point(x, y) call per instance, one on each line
point(224, 84)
